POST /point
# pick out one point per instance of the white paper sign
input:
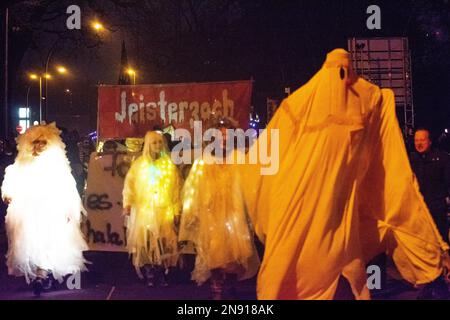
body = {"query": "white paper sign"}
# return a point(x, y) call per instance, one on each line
point(105, 226)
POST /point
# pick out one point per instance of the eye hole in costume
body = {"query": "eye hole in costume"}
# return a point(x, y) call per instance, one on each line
point(40, 142)
point(342, 73)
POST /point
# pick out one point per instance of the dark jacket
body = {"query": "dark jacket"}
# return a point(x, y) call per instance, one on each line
point(432, 170)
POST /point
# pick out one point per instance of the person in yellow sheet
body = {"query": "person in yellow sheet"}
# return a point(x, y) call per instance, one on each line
point(44, 210)
point(214, 218)
point(344, 192)
point(151, 200)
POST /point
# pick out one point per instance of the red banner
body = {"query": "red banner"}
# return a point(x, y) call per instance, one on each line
point(130, 111)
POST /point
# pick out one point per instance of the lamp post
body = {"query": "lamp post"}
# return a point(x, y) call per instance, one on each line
point(97, 26)
point(60, 69)
point(46, 76)
point(5, 110)
point(34, 76)
point(47, 61)
point(28, 94)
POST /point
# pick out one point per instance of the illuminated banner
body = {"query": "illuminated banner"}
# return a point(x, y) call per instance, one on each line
point(130, 111)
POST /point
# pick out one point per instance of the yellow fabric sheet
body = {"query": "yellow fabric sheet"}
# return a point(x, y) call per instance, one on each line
point(214, 218)
point(343, 193)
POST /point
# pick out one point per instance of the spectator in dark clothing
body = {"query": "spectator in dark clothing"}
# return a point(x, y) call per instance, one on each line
point(432, 169)
point(70, 139)
point(7, 156)
point(85, 148)
point(170, 144)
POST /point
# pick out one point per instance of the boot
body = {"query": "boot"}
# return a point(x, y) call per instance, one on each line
point(163, 277)
point(39, 282)
point(217, 289)
point(48, 282)
point(217, 284)
point(38, 286)
point(150, 276)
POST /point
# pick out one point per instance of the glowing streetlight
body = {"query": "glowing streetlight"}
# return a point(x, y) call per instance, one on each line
point(132, 73)
point(47, 76)
point(97, 26)
point(61, 69)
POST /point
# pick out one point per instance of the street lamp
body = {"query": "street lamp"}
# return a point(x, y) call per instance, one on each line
point(132, 72)
point(34, 76)
point(97, 26)
point(61, 69)
point(28, 94)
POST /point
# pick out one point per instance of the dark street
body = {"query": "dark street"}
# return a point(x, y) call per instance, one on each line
point(118, 281)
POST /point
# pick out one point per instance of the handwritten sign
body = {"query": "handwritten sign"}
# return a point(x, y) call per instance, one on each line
point(105, 228)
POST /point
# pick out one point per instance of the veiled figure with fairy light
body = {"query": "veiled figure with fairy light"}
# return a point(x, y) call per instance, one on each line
point(151, 199)
point(214, 218)
point(44, 210)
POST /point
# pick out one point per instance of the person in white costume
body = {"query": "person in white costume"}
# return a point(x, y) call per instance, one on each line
point(44, 210)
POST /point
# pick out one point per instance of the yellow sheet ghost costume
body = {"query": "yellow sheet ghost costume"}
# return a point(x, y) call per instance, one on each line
point(44, 215)
point(214, 218)
point(343, 193)
point(152, 190)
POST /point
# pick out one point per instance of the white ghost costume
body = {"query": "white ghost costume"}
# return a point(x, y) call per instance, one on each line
point(43, 217)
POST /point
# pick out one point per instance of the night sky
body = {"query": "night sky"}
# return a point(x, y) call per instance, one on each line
point(277, 43)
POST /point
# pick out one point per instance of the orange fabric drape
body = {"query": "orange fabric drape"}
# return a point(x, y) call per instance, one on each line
point(344, 191)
